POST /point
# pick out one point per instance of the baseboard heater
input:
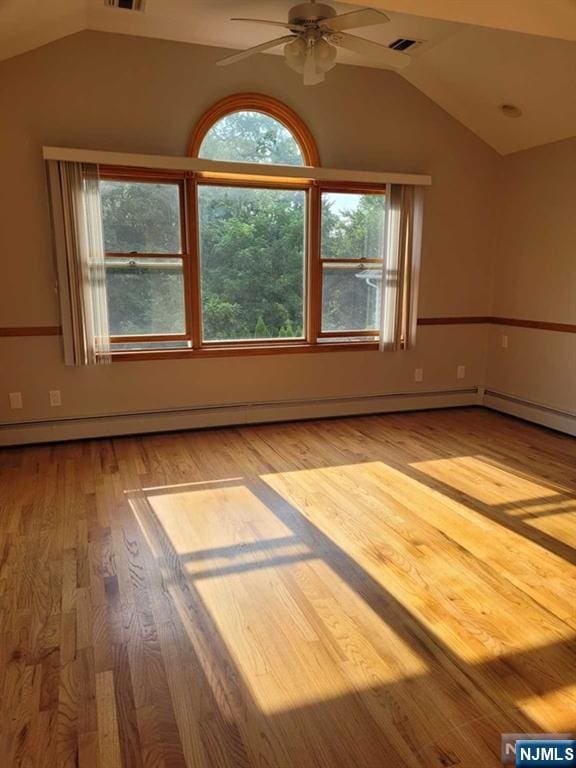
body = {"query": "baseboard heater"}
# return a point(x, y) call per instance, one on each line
point(202, 416)
point(547, 416)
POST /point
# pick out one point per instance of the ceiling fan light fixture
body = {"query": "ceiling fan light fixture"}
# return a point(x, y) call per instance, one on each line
point(295, 54)
point(325, 55)
point(316, 57)
point(510, 110)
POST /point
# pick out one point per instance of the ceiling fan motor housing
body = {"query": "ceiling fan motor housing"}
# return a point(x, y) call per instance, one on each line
point(310, 13)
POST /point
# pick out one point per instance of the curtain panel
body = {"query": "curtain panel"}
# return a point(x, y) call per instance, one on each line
point(77, 229)
point(399, 305)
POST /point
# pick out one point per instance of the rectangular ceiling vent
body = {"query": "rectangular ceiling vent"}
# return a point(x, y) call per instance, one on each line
point(127, 5)
point(405, 43)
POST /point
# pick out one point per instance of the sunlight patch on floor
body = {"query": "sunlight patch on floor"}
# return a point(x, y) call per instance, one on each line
point(554, 711)
point(505, 493)
point(222, 517)
point(485, 482)
point(292, 651)
point(443, 568)
point(165, 489)
point(294, 629)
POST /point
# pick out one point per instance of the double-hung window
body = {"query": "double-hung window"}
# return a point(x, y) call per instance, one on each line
point(146, 260)
point(352, 250)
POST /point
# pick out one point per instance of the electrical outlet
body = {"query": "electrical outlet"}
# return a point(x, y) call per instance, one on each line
point(461, 372)
point(15, 400)
point(419, 374)
point(504, 341)
point(55, 398)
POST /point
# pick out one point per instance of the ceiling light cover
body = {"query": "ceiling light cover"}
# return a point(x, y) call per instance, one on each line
point(295, 53)
point(510, 110)
point(325, 55)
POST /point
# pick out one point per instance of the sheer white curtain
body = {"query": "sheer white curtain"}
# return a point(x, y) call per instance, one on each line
point(77, 223)
point(399, 304)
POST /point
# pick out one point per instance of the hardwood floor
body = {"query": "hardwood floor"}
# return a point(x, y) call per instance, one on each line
point(377, 591)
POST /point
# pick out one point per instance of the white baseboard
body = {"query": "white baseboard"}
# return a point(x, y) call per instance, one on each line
point(114, 424)
point(228, 415)
point(554, 418)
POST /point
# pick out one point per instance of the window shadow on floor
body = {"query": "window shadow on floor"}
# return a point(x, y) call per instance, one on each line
point(450, 715)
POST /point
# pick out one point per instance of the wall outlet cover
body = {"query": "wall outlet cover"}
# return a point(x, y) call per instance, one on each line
point(55, 397)
point(15, 399)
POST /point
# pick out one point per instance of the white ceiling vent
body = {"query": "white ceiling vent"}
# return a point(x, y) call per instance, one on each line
point(127, 5)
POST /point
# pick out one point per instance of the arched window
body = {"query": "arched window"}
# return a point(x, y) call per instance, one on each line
point(252, 128)
point(242, 256)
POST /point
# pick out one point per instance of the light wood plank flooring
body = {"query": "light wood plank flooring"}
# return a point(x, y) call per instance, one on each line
point(388, 591)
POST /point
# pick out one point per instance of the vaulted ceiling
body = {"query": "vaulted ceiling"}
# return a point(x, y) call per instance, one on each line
point(478, 54)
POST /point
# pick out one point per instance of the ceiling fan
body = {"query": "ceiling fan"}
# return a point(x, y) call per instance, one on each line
point(316, 31)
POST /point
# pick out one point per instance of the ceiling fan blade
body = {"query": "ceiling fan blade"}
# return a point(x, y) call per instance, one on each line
point(285, 24)
point(381, 53)
point(355, 19)
point(256, 49)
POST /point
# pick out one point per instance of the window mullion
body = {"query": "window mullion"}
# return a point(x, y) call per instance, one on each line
point(314, 295)
point(193, 297)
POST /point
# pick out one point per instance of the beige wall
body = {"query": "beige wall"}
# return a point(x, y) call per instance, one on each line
point(535, 276)
point(125, 93)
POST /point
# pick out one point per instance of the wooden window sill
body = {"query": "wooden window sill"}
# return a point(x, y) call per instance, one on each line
point(241, 351)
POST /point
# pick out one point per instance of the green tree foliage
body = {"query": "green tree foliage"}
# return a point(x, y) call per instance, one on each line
point(252, 261)
point(251, 137)
point(353, 227)
point(261, 330)
point(287, 331)
point(144, 296)
point(140, 217)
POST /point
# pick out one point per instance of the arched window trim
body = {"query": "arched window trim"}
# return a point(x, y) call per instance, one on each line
point(257, 102)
